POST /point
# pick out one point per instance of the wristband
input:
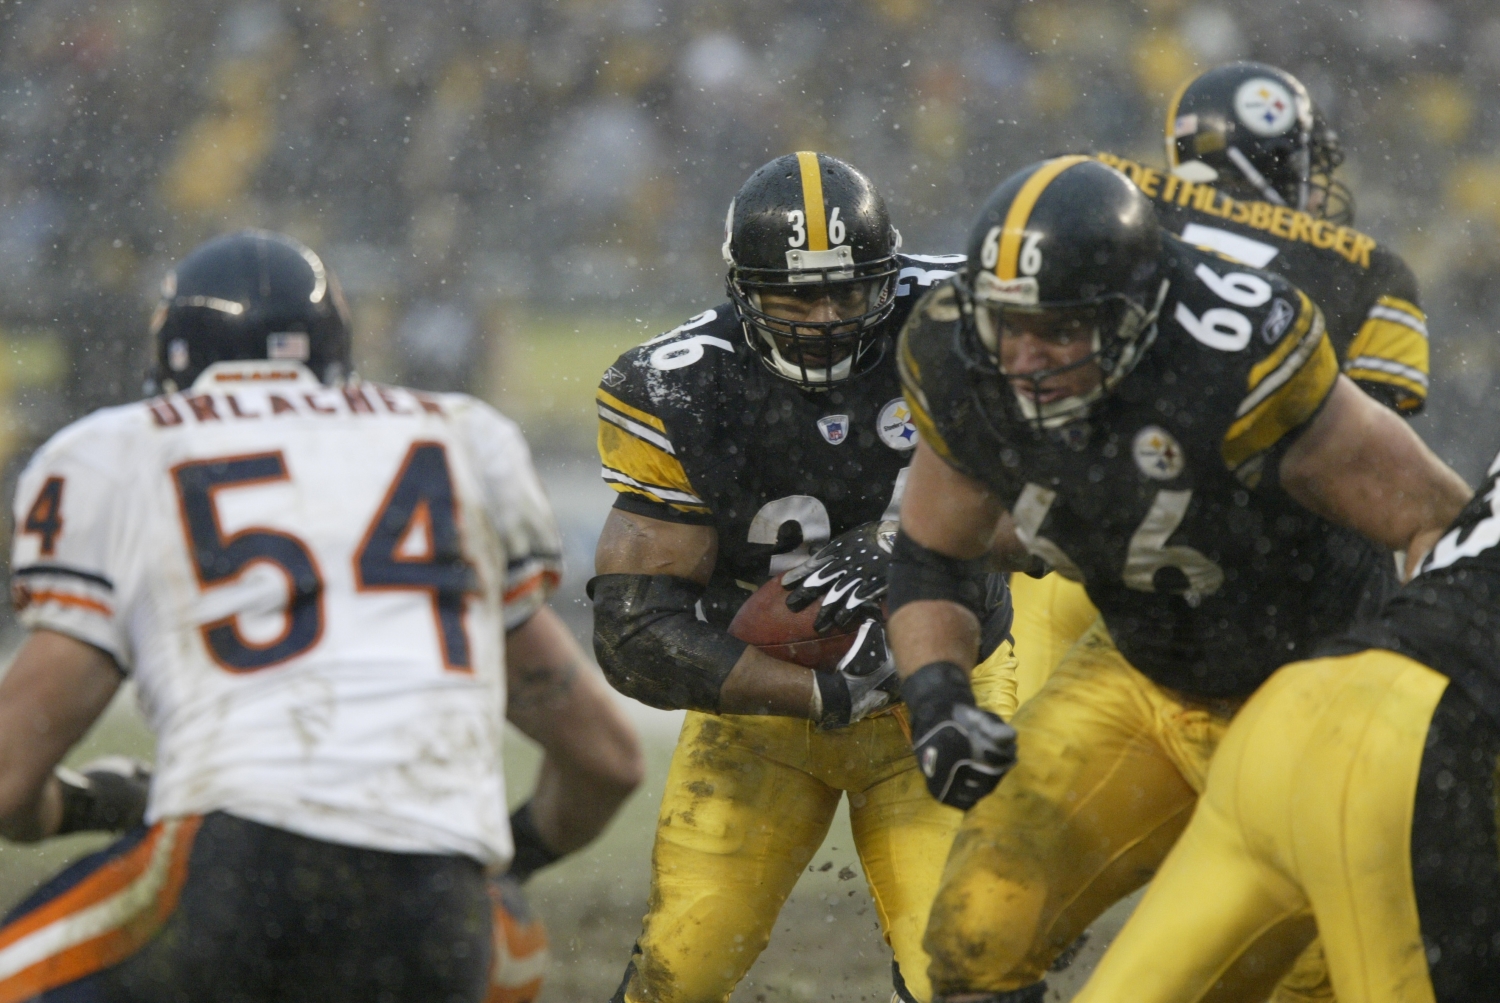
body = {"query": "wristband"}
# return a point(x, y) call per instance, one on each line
point(532, 853)
point(834, 703)
point(933, 691)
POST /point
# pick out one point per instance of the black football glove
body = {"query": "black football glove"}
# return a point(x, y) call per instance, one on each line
point(107, 795)
point(847, 573)
point(864, 681)
point(963, 751)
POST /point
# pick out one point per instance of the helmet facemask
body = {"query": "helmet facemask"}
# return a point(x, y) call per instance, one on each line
point(1116, 327)
point(819, 325)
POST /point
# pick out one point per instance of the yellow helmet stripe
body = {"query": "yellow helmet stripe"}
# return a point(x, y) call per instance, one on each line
point(1014, 229)
point(1172, 122)
point(812, 199)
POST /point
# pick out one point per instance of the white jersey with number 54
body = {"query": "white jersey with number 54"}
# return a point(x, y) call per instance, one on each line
point(310, 586)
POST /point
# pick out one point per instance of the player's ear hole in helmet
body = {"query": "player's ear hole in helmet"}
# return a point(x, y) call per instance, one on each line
point(812, 268)
point(1253, 130)
point(248, 295)
point(1060, 294)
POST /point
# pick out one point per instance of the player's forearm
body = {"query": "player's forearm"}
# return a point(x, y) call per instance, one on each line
point(760, 684)
point(928, 631)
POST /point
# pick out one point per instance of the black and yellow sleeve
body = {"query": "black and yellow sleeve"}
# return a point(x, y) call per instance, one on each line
point(1389, 355)
point(936, 307)
point(1286, 388)
point(639, 461)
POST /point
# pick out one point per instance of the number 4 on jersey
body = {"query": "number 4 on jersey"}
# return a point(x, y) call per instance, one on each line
point(44, 518)
point(414, 543)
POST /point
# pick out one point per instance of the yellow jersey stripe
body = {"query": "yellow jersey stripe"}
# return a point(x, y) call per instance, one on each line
point(1289, 342)
point(642, 462)
point(1400, 311)
point(1292, 404)
point(812, 199)
point(636, 429)
point(1171, 131)
point(1375, 370)
point(614, 402)
point(1393, 341)
point(925, 427)
point(1014, 230)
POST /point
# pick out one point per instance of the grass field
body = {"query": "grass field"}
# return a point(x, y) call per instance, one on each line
point(826, 945)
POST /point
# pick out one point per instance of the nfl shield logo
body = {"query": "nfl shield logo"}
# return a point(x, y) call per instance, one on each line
point(834, 428)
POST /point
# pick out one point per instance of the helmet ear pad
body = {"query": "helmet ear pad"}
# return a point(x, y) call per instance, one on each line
point(249, 295)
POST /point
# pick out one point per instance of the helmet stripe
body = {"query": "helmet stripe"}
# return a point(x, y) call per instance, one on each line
point(1172, 106)
point(812, 199)
point(1020, 211)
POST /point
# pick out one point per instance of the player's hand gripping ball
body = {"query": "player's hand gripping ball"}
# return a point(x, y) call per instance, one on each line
point(790, 635)
point(848, 576)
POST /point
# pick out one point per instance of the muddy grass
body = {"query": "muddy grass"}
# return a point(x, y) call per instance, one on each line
point(826, 946)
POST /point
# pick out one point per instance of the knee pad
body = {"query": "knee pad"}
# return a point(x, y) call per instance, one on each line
point(1033, 993)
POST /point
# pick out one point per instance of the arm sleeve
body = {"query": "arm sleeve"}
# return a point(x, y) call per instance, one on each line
point(915, 364)
point(639, 460)
point(1389, 356)
point(1285, 389)
point(519, 512)
point(63, 554)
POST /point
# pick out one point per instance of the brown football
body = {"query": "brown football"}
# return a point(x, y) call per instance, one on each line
point(765, 622)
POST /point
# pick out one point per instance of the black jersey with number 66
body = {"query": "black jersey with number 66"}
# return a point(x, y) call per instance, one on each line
point(695, 428)
point(1165, 501)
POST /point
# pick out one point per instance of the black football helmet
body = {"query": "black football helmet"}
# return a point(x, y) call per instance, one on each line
point(248, 295)
point(1252, 128)
point(1070, 246)
point(812, 268)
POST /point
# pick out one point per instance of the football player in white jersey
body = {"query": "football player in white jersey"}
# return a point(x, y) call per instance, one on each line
point(311, 581)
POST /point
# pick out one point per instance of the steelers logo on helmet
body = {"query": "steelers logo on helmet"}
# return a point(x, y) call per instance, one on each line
point(1252, 130)
point(812, 268)
point(1265, 107)
point(1062, 287)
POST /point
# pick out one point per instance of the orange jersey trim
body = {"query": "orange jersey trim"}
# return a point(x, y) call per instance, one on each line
point(161, 860)
point(65, 599)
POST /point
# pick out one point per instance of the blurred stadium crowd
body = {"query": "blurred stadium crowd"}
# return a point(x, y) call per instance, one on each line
point(460, 163)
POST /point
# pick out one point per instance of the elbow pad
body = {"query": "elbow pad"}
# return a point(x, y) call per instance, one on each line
point(920, 574)
point(652, 646)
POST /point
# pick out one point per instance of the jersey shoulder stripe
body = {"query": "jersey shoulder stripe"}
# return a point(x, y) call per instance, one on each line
point(935, 309)
point(638, 458)
point(1286, 389)
point(1391, 350)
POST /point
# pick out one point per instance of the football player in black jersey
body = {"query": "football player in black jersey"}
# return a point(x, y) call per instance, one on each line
point(741, 443)
point(1170, 427)
point(1355, 796)
point(1252, 163)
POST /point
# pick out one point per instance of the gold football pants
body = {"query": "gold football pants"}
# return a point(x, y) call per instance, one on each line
point(1051, 615)
point(748, 802)
point(1108, 769)
point(1306, 824)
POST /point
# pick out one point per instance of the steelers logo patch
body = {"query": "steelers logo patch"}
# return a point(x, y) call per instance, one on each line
point(1158, 454)
point(895, 425)
point(1265, 106)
